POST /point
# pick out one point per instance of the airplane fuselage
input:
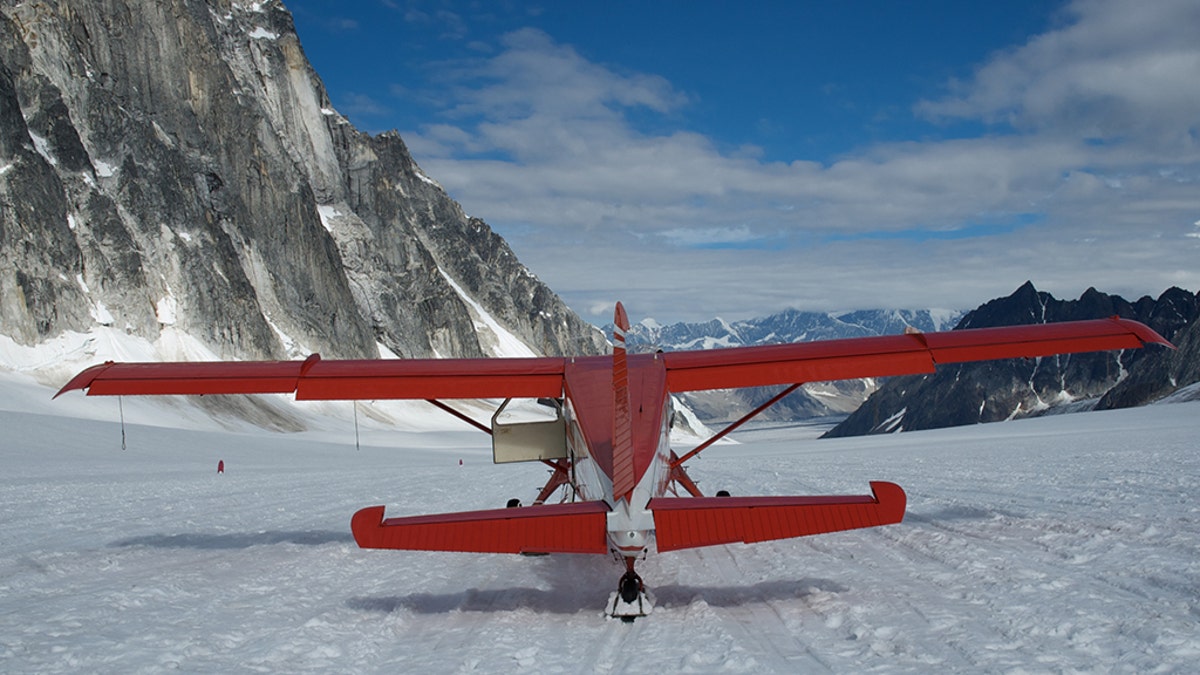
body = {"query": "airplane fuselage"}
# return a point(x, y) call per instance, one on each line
point(623, 468)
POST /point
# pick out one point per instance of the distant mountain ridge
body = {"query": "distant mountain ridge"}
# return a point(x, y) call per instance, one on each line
point(788, 326)
point(992, 391)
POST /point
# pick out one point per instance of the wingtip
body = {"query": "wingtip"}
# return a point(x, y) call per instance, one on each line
point(892, 501)
point(84, 379)
point(1143, 332)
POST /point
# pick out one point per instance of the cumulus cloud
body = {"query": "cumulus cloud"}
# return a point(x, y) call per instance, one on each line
point(1088, 176)
point(1116, 70)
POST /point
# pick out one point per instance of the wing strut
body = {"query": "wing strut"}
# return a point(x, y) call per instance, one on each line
point(677, 461)
point(459, 415)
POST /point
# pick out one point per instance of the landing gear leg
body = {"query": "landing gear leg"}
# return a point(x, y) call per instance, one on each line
point(631, 599)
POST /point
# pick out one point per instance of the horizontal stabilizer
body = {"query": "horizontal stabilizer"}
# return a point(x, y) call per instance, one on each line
point(558, 528)
point(690, 522)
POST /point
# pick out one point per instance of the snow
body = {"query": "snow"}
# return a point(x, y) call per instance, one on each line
point(167, 309)
point(503, 342)
point(944, 319)
point(892, 423)
point(254, 7)
point(329, 214)
point(710, 343)
point(1065, 543)
point(101, 314)
point(104, 169)
point(260, 33)
point(43, 148)
point(426, 179)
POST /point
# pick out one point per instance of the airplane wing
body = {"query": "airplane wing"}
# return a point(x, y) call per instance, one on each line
point(691, 522)
point(577, 527)
point(378, 379)
point(680, 522)
point(906, 354)
point(314, 379)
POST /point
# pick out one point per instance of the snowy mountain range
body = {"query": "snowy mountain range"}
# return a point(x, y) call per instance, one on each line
point(788, 326)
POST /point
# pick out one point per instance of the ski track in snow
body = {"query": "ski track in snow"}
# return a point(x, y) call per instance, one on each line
point(1064, 543)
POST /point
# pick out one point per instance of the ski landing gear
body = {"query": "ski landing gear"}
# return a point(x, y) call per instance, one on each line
point(631, 599)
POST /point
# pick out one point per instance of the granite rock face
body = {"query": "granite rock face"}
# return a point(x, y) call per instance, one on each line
point(178, 163)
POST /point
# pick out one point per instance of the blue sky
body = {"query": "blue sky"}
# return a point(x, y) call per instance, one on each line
point(701, 158)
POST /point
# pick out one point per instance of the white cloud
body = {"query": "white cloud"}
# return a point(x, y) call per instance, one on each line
point(1118, 69)
point(710, 237)
point(1089, 178)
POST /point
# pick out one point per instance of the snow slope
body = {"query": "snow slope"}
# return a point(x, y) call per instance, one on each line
point(1066, 543)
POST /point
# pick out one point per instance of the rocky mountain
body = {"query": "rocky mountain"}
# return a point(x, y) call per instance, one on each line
point(819, 399)
point(997, 390)
point(1167, 373)
point(176, 165)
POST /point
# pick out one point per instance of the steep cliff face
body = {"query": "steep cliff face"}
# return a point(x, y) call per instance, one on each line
point(178, 163)
point(1171, 371)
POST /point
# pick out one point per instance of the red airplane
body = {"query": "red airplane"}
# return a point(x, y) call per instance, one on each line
point(609, 442)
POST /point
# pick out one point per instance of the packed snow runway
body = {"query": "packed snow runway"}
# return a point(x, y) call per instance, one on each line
point(1055, 544)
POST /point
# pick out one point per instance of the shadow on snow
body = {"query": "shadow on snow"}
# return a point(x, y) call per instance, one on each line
point(571, 600)
point(237, 540)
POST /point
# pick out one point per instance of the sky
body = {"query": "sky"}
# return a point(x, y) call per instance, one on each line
point(701, 159)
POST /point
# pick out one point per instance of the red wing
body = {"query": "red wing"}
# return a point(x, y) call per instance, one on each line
point(314, 379)
point(579, 527)
point(690, 522)
point(894, 354)
point(433, 378)
point(224, 377)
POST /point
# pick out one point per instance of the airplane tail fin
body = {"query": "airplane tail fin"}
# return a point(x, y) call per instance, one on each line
point(623, 473)
point(579, 527)
point(691, 522)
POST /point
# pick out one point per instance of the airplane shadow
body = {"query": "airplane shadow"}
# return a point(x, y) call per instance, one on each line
point(542, 601)
point(576, 583)
point(236, 540)
point(952, 513)
point(575, 588)
point(674, 595)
